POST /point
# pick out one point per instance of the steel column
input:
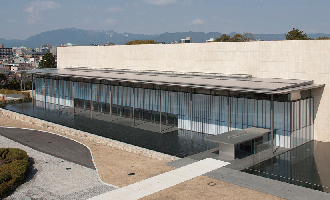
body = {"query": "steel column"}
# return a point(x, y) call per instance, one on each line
point(122, 101)
point(58, 96)
point(91, 95)
point(73, 96)
point(272, 121)
point(105, 96)
point(228, 110)
point(21, 81)
point(133, 95)
point(166, 108)
point(45, 91)
point(160, 111)
point(111, 97)
point(143, 102)
point(32, 92)
point(191, 111)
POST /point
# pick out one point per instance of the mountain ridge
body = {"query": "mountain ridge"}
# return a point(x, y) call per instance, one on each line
point(100, 37)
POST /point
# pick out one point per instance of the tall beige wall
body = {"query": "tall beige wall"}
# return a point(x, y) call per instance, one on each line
point(270, 59)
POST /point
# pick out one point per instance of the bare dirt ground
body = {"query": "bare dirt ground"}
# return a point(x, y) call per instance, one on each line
point(198, 188)
point(114, 165)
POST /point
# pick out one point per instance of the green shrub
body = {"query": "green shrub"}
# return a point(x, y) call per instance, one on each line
point(14, 166)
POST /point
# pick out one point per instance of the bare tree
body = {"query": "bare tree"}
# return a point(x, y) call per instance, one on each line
point(249, 36)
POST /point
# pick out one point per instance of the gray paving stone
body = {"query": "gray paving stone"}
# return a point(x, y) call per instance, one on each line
point(266, 185)
point(181, 162)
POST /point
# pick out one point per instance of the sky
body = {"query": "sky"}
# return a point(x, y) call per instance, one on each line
point(20, 19)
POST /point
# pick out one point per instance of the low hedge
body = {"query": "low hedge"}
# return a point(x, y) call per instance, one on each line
point(14, 166)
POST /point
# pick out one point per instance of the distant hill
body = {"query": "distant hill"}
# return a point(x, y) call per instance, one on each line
point(87, 37)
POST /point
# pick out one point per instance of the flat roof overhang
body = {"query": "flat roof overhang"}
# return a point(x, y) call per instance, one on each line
point(214, 81)
point(239, 136)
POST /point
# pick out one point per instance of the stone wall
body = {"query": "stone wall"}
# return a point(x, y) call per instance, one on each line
point(268, 59)
point(65, 131)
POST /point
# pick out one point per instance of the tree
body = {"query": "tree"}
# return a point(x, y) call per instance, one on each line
point(14, 84)
point(48, 61)
point(238, 38)
point(295, 34)
point(3, 81)
point(249, 36)
point(323, 38)
point(223, 38)
point(141, 42)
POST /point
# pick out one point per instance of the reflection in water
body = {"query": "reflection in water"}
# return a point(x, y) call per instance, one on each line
point(306, 166)
point(180, 143)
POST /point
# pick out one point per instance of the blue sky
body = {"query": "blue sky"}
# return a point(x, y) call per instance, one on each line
point(20, 19)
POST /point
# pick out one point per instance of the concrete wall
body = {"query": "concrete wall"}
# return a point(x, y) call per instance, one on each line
point(270, 59)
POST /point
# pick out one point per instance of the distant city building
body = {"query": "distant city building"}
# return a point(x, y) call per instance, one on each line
point(20, 51)
point(18, 60)
point(187, 40)
point(53, 50)
point(5, 52)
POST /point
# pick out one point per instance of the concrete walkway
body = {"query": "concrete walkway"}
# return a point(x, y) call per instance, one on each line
point(51, 144)
point(50, 177)
point(163, 181)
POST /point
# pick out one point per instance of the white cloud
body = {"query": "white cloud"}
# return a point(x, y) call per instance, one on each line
point(160, 2)
point(36, 7)
point(197, 21)
point(110, 21)
point(114, 9)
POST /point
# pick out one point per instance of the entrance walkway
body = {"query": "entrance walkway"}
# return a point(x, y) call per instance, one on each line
point(163, 181)
point(51, 144)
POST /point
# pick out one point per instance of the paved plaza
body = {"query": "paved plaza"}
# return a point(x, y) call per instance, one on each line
point(64, 168)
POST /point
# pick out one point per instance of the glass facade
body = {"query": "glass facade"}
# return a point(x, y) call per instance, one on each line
point(198, 110)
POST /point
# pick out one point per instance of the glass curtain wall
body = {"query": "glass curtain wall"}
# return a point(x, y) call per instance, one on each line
point(205, 113)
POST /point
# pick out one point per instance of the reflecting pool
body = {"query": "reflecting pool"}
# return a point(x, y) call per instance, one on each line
point(306, 166)
point(171, 140)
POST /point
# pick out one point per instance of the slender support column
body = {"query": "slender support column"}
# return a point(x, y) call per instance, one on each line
point(111, 97)
point(156, 102)
point(105, 97)
point(122, 101)
point(272, 121)
point(133, 95)
point(117, 106)
point(191, 112)
point(143, 102)
point(32, 91)
point(73, 96)
point(85, 94)
point(91, 101)
point(160, 110)
point(58, 90)
point(150, 109)
point(45, 91)
point(228, 111)
point(21, 81)
point(166, 108)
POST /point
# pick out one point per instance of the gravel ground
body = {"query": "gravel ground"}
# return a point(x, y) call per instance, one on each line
point(55, 178)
